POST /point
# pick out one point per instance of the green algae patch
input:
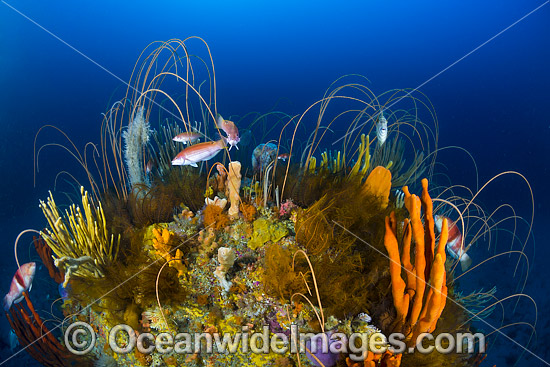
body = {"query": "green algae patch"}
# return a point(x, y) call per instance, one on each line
point(264, 231)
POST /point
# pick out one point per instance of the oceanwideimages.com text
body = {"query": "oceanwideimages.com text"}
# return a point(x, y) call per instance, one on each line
point(80, 339)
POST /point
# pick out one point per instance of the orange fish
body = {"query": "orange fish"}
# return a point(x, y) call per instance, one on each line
point(187, 138)
point(455, 245)
point(198, 153)
point(231, 130)
point(22, 281)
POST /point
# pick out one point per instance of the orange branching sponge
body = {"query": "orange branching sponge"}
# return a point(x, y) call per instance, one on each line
point(161, 243)
point(378, 184)
point(214, 216)
point(248, 211)
point(417, 312)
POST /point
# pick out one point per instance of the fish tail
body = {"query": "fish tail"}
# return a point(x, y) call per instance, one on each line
point(7, 302)
point(465, 262)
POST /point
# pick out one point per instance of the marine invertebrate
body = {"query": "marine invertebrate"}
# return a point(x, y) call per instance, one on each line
point(80, 240)
point(226, 258)
point(378, 185)
point(234, 184)
point(207, 240)
point(286, 208)
point(216, 201)
point(417, 313)
point(37, 339)
point(213, 215)
point(392, 155)
point(45, 253)
point(262, 156)
point(264, 231)
point(362, 163)
point(161, 242)
point(136, 137)
point(248, 211)
point(221, 178)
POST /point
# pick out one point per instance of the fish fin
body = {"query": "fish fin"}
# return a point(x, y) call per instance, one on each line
point(219, 120)
point(19, 299)
point(465, 261)
point(193, 164)
point(236, 146)
point(30, 287)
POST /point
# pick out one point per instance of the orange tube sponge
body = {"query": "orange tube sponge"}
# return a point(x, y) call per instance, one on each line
point(429, 235)
point(425, 309)
point(400, 299)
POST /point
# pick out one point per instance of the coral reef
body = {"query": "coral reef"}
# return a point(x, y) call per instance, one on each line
point(301, 244)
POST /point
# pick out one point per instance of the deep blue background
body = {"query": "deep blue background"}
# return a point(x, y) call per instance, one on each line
point(494, 103)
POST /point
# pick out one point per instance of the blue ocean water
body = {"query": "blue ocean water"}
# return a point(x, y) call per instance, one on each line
point(484, 67)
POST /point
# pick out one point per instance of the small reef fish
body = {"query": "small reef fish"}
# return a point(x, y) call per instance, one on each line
point(149, 166)
point(381, 129)
point(283, 156)
point(231, 130)
point(187, 138)
point(22, 281)
point(200, 152)
point(455, 245)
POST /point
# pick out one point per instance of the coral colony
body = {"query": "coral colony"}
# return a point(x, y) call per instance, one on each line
point(313, 243)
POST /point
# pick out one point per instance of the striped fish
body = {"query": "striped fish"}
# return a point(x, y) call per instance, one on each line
point(22, 281)
point(381, 129)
